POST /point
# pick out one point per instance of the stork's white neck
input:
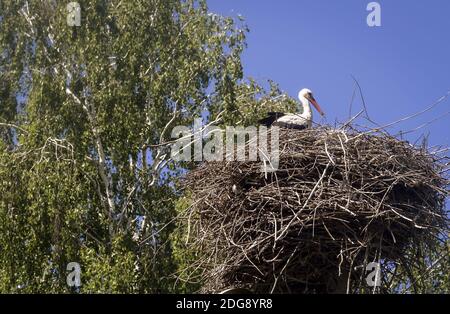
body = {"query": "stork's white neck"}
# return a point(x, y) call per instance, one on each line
point(307, 112)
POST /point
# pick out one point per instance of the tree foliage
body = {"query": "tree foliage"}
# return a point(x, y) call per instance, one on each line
point(82, 110)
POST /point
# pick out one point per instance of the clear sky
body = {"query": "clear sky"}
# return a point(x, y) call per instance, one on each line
point(403, 66)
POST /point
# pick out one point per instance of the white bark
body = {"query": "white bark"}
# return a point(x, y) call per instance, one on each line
point(102, 167)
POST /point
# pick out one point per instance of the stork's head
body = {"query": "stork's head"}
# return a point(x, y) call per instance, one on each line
point(307, 94)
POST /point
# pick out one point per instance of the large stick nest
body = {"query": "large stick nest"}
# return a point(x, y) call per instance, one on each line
point(339, 200)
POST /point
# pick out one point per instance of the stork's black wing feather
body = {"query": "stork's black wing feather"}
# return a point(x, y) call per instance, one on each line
point(271, 118)
point(285, 125)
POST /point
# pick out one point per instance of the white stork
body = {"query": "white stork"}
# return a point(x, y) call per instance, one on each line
point(295, 120)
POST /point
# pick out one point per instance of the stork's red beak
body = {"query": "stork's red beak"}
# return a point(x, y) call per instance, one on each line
point(316, 105)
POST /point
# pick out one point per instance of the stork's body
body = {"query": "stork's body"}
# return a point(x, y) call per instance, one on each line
point(296, 120)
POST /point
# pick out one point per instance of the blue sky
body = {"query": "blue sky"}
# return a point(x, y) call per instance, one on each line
point(403, 66)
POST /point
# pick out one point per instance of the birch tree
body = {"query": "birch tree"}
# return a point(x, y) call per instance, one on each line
point(83, 110)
